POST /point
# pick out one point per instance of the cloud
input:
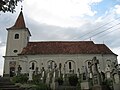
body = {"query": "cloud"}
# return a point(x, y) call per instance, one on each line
point(49, 33)
point(117, 9)
point(117, 51)
point(65, 13)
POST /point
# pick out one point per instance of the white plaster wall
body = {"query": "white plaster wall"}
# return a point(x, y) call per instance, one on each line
point(79, 59)
point(7, 64)
point(16, 44)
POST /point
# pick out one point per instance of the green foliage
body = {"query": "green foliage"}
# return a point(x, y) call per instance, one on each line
point(22, 78)
point(36, 84)
point(40, 86)
point(108, 83)
point(60, 80)
point(73, 80)
point(36, 79)
point(8, 5)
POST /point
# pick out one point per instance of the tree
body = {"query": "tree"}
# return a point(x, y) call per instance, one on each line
point(8, 5)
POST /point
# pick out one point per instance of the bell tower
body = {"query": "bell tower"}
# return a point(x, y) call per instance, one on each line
point(17, 38)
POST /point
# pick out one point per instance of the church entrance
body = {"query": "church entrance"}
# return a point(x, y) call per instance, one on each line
point(12, 65)
point(12, 71)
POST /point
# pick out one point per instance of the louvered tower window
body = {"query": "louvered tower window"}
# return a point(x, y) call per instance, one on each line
point(16, 36)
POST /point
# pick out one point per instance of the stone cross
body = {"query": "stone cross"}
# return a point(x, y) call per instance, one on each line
point(107, 71)
point(60, 66)
point(90, 69)
point(43, 73)
point(116, 79)
point(115, 74)
point(83, 73)
point(30, 74)
point(64, 71)
point(19, 70)
point(96, 74)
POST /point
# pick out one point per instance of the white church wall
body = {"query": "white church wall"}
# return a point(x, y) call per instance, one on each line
point(10, 62)
point(79, 60)
point(23, 62)
point(6, 67)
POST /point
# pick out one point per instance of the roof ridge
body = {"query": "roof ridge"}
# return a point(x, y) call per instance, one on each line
point(57, 41)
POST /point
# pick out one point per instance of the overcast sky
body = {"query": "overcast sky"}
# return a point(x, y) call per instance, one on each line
point(96, 20)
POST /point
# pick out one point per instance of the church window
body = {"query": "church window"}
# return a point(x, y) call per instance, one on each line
point(16, 36)
point(60, 65)
point(15, 51)
point(70, 65)
point(33, 65)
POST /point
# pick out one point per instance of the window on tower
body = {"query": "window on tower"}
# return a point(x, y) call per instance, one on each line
point(16, 36)
point(15, 51)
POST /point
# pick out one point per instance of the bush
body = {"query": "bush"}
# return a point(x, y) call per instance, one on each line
point(41, 86)
point(73, 80)
point(60, 80)
point(22, 78)
point(36, 79)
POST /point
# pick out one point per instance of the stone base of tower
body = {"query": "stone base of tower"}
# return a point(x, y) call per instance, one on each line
point(6, 75)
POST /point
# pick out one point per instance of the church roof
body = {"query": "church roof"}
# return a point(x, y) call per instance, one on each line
point(20, 23)
point(65, 47)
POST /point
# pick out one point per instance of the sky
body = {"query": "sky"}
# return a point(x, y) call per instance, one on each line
point(67, 20)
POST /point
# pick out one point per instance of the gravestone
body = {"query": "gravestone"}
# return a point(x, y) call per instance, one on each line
point(30, 74)
point(54, 83)
point(96, 75)
point(116, 79)
point(43, 75)
point(85, 85)
point(108, 72)
point(19, 70)
point(48, 76)
point(90, 70)
point(116, 84)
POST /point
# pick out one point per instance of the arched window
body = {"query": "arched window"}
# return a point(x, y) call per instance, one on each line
point(16, 36)
point(70, 65)
point(33, 66)
point(51, 64)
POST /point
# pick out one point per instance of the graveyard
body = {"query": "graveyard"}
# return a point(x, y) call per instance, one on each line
point(86, 79)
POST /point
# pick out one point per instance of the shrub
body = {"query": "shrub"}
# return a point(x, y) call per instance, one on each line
point(73, 80)
point(36, 79)
point(22, 78)
point(60, 80)
point(41, 86)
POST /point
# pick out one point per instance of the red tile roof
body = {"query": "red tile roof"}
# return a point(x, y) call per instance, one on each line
point(20, 23)
point(65, 47)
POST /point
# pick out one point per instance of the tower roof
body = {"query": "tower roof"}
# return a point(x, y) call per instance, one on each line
point(20, 23)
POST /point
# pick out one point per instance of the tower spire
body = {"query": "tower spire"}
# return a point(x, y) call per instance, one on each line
point(21, 7)
point(20, 23)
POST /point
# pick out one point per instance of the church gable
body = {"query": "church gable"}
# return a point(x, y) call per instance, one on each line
point(65, 47)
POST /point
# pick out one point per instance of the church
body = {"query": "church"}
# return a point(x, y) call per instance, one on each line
point(69, 56)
